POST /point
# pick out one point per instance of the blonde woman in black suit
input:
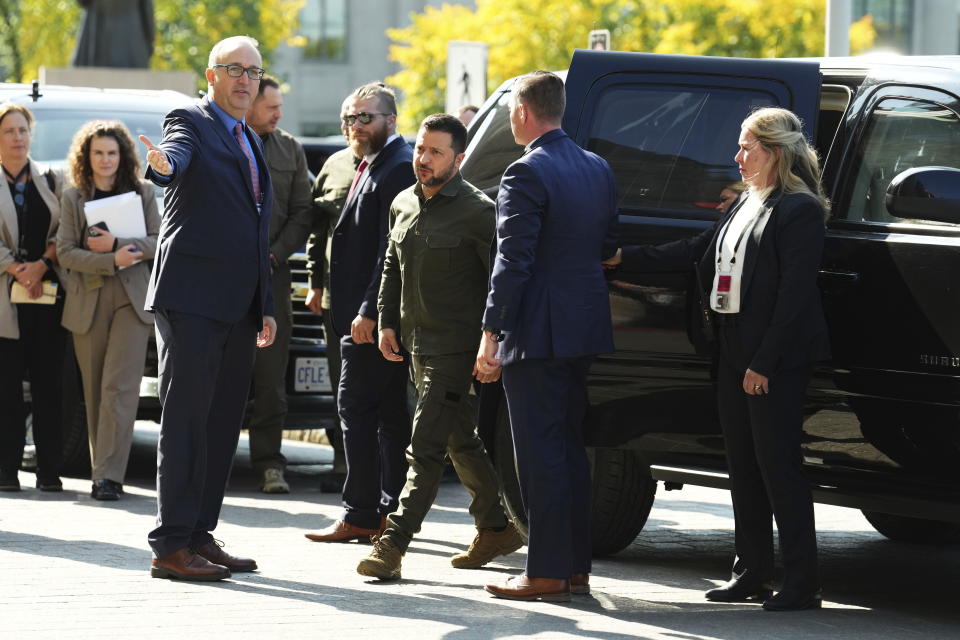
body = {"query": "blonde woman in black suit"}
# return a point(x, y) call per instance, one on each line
point(762, 258)
point(107, 285)
point(31, 339)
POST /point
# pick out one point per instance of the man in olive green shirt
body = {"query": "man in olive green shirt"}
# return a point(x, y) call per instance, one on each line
point(432, 296)
point(330, 191)
point(289, 226)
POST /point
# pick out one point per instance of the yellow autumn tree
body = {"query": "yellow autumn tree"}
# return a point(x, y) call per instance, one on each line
point(862, 35)
point(523, 35)
point(187, 30)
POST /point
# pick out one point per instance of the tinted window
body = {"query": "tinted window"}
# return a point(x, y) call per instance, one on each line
point(54, 130)
point(902, 134)
point(670, 147)
point(492, 148)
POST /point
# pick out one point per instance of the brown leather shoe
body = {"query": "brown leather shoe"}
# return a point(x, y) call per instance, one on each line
point(212, 552)
point(187, 565)
point(341, 531)
point(580, 584)
point(524, 587)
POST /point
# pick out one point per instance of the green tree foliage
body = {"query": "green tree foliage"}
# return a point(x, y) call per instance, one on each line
point(523, 35)
point(36, 33)
point(186, 31)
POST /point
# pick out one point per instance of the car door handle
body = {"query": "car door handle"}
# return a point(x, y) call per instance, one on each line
point(848, 277)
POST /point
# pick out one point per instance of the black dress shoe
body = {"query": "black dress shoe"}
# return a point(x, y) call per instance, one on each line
point(49, 484)
point(740, 589)
point(9, 482)
point(116, 486)
point(794, 601)
point(332, 482)
point(104, 490)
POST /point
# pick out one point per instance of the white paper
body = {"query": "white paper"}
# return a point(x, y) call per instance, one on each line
point(123, 215)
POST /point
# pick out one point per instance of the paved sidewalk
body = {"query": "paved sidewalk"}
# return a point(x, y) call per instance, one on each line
point(71, 567)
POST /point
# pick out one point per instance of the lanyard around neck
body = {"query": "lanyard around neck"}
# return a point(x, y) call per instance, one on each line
point(15, 179)
point(747, 229)
point(21, 208)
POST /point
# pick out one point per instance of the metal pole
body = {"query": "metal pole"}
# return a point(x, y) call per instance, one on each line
point(839, 19)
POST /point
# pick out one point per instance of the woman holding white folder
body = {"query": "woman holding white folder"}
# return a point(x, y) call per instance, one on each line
point(106, 284)
point(31, 339)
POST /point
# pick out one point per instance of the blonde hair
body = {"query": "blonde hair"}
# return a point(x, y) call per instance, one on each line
point(780, 132)
point(6, 108)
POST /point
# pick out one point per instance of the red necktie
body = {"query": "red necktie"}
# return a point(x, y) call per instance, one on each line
point(356, 179)
point(238, 133)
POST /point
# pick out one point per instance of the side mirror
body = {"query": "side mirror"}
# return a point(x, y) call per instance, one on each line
point(926, 193)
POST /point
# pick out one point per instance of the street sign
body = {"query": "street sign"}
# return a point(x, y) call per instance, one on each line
point(599, 39)
point(466, 74)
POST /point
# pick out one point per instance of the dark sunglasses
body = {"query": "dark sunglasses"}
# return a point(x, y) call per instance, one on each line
point(18, 197)
point(363, 117)
point(235, 71)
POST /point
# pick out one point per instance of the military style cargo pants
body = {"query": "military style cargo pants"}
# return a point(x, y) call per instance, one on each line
point(445, 425)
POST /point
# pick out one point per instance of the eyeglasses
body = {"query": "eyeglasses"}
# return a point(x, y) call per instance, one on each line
point(363, 117)
point(236, 70)
point(18, 197)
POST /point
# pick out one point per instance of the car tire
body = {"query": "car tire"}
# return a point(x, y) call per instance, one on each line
point(623, 493)
point(623, 490)
point(916, 530)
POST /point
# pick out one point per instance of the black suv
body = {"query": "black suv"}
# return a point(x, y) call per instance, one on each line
point(882, 420)
point(59, 113)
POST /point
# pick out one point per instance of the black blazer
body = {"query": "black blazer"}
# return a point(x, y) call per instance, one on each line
point(781, 324)
point(213, 250)
point(359, 240)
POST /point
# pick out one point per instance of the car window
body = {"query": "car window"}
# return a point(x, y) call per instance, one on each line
point(671, 147)
point(55, 128)
point(901, 134)
point(492, 148)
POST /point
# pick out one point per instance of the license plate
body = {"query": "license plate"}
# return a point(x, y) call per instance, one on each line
point(312, 374)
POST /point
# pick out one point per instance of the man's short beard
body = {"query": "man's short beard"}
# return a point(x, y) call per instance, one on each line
point(373, 144)
point(438, 180)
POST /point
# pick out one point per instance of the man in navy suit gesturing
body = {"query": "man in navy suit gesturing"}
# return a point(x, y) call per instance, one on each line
point(210, 291)
point(548, 312)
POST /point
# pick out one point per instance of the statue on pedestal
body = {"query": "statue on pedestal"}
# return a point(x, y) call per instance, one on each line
point(115, 33)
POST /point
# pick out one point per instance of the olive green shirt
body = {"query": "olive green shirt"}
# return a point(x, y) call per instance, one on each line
point(292, 214)
point(330, 192)
point(434, 284)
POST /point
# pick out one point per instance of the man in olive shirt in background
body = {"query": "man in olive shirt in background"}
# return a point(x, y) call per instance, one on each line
point(289, 227)
point(330, 191)
point(432, 295)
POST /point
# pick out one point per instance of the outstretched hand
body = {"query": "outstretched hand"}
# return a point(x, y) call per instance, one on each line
point(156, 158)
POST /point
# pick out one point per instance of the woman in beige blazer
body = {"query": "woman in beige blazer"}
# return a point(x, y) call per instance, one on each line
point(31, 339)
point(106, 287)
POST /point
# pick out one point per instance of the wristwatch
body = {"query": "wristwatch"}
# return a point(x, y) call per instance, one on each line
point(47, 261)
point(497, 334)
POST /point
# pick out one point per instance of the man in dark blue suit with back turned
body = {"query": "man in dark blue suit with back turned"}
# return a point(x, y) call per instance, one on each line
point(210, 291)
point(549, 313)
point(372, 396)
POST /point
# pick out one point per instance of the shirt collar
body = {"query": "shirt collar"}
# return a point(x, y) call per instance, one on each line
point(451, 189)
point(543, 139)
point(373, 156)
point(228, 120)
